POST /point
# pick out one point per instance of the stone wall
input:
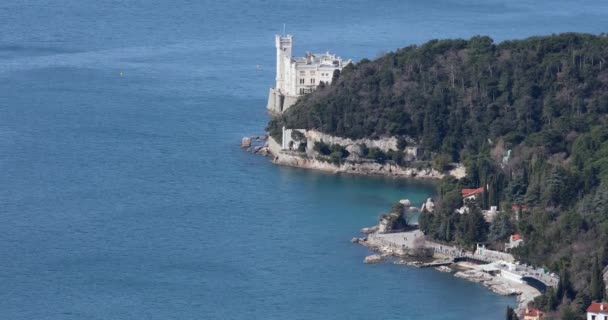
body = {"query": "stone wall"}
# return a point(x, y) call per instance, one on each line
point(273, 104)
point(278, 103)
point(274, 147)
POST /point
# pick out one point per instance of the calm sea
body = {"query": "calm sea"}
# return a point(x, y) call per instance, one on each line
point(124, 194)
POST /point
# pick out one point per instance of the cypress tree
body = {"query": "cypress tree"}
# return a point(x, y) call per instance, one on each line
point(552, 300)
point(485, 196)
point(564, 287)
point(511, 314)
point(597, 281)
point(604, 256)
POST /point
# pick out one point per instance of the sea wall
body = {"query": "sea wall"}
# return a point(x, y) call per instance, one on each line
point(274, 147)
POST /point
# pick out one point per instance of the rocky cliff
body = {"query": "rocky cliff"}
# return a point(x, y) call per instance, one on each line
point(372, 168)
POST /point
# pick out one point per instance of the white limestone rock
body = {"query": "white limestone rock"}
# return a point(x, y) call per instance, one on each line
point(369, 230)
point(374, 258)
point(246, 142)
point(405, 202)
point(354, 150)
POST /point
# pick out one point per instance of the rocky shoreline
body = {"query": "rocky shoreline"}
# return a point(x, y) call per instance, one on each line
point(523, 292)
point(266, 146)
point(362, 168)
point(410, 248)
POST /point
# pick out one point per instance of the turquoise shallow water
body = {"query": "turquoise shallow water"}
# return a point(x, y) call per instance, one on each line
point(124, 193)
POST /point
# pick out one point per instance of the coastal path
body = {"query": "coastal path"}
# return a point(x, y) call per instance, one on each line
point(412, 240)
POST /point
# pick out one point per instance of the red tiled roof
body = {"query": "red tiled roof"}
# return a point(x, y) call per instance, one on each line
point(470, 192)
point(516, 237)
point(519, 206)
point(534, 313)
point(596, 307)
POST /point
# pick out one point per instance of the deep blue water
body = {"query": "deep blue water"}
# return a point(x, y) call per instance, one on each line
point(124, 194)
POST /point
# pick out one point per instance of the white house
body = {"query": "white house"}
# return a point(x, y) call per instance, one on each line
point(534, 314)
point(469, 194)
point(515, 241)
point(597, 311)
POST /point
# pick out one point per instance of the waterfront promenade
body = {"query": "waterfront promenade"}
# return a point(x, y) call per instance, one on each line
point(407, 242)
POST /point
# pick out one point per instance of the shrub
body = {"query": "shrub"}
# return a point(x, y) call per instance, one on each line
point(441, 162)
point(322, 148)
point(302, 147)
point(376, 154)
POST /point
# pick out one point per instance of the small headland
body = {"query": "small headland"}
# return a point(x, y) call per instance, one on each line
point(314, 150)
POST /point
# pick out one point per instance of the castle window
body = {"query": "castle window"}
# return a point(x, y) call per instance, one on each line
point(301, 81)
point(302, 73)
point(312, 81)
point(312, 73)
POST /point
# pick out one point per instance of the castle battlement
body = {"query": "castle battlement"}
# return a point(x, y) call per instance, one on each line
point(296, 76)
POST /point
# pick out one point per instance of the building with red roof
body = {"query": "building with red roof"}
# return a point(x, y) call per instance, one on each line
point(533, 314)
point(470, 193)
point(514, 241)
point(597, 311)
point(517, 207)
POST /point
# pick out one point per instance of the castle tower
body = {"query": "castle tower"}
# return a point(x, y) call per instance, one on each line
point(283, 46)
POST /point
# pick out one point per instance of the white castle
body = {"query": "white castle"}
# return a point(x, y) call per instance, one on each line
point(299, 75)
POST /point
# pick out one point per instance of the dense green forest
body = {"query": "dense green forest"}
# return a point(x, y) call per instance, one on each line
point(528, 119)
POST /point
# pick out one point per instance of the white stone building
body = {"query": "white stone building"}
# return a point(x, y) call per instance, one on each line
point(296, 76)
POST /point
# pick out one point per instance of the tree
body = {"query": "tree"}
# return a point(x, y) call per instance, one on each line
point(552, 300)
point(568, 314)
point(441, 162)
point(564, 287)
point(401, 143)
point(474, 226)
point(511, 315)
point(556, 191)
point(322, 148)
point(335, 76)
point(501, 228)
point(598, 288)
point(377, 154)
point(425, 221)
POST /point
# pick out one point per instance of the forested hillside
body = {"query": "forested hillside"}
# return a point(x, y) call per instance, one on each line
point(528, 119)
